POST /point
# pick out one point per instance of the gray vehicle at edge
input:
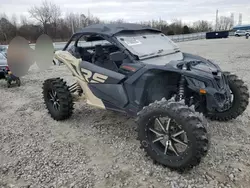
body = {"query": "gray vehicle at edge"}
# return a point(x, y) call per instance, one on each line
point(149, 78)
point(3, 65)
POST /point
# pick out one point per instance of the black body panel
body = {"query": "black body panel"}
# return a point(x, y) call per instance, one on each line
point(111, 91)
point(201, 69)
point(114, 93)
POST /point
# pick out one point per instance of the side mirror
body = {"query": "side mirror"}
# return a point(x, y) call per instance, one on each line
point(117, 56)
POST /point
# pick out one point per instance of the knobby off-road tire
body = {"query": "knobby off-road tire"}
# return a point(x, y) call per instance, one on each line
point(192, 123)
point(240, 100)
point(58, 89)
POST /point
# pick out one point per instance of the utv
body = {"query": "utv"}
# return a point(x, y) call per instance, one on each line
point(138, 70)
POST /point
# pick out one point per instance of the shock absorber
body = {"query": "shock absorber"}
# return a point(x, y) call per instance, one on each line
point(75, 88)
point(181, 89)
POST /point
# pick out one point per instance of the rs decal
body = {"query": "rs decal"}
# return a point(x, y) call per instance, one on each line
point(87, 74)
point(96, 77)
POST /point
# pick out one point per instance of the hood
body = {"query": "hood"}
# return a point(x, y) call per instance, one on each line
point(202, 66)
point(198, 63)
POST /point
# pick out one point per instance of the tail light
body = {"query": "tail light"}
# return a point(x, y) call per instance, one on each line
point(7, 68)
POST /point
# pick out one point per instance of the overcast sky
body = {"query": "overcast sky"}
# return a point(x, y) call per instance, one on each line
point(139, 10)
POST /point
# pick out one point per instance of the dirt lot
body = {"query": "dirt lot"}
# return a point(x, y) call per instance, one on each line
point(98, 148)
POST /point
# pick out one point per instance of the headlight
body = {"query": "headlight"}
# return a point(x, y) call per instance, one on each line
point(197, 83)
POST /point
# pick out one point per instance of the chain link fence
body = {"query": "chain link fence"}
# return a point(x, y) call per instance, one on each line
point(187, 37)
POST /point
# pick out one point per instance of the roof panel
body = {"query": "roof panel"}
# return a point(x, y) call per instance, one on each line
point(112, 29)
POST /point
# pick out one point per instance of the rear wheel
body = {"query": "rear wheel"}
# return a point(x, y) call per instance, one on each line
point(172, 134)
point(57, 98)
point(240, 100)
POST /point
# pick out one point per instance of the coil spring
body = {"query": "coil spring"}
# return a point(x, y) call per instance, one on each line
point(75, 88)
point(181, 90)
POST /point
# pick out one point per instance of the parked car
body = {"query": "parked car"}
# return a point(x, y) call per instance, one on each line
point(239, 33)
point(3, 65)
point(3, 49)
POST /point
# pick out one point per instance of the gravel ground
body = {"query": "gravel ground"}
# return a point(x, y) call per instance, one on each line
point(97, 148)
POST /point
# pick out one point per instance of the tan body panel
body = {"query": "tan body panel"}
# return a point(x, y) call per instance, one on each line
point(69, 60)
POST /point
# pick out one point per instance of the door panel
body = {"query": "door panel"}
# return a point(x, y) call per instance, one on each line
point(97, 74)
point(104, 84)
point(113, 93)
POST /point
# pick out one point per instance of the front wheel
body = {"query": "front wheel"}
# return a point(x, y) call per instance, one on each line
point(57, 98)
point(240, 100)
point(172, 134)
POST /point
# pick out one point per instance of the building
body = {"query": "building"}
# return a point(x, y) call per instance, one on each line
point(241, 27)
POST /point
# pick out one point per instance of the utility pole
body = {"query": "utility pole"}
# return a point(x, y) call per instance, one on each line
point(232, 20)
point(240, 19)
point(72, 26)
point(160, 23)
point(216, 21)
point(88, 17)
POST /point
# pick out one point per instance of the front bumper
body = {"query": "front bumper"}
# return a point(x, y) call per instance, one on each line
point(218, 101)
point(217, 96)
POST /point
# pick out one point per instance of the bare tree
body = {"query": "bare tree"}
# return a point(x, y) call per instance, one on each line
point(176, 26)
point(117, 21)
point(43, 13)
point(23, 20)
point(202, 26)
point(58, 28)
point(55, 16)
point(83, 20)
point(14, 20)
point(72, 21)
point(3, 15)
point(7, 30)
point(224, 23)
